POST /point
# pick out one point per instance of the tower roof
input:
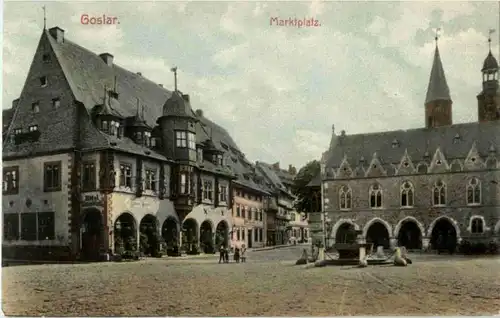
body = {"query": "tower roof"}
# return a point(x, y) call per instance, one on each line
point(178, 106)
point(438, 87)
point(490, 63)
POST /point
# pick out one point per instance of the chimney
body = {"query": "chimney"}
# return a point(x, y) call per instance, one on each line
point(199, 113)
point(292, 170)
point(107, 58)
point(276, 165)
point(15, 102)
point(186, 97)
point(139, 73)
point(57, 33)
point(161, 85)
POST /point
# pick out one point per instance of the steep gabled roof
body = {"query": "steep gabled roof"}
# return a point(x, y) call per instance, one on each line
point(417, 142)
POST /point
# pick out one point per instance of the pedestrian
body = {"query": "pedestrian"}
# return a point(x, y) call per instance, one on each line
point(237, 255)
point(243, 253)
point(226, 255)
point(222, 252)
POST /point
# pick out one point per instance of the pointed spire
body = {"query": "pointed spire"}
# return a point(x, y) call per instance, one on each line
point(438, 87)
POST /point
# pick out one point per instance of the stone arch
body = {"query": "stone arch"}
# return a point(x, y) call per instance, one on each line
point(222, 234)
point(444, 234)
point(149, 240)
point(374, 220)
point(169, 232)
point(339, 226)
point(206, 236)
point(409, 232)
point(398, 226)
point(497, 228)
point(125, 233)
point(190, 231)
point(92, 236)
point(378, 231)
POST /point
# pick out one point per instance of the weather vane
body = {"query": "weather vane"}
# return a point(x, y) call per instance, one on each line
point(490, 32)
point(174, 69)
point(436, 37)
point(44, 18)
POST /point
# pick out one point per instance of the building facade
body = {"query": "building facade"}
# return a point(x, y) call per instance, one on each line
point(432, 187)
point(98, 158)
point(281, 206)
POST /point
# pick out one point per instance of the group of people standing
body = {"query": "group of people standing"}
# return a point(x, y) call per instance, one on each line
point(239, 254)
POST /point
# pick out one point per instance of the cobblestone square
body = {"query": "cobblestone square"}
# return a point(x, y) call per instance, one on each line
point(267, 285)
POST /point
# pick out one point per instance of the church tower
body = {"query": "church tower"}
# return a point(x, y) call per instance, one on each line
point(438, 110)
point(488, 101)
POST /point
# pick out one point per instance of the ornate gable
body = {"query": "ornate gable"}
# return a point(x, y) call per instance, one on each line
point(345, 171)
point(473, 160)
point(375, 169)
point(406, 165)
point(438, 162)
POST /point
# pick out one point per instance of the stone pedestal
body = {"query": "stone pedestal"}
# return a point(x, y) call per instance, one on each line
point(393, 243)
point(362, 253)
point(425, 243)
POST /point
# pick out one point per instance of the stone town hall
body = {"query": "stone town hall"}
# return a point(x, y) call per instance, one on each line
point(413, 187)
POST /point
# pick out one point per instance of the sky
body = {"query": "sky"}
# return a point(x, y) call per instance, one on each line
point(279, 90)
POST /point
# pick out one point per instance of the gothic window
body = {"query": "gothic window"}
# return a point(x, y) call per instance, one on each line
point(439, 193)
point(474, 191)
point(407, 194)
point(477, 225)
point(345, 194)
point(35, 107)
point(375, 196)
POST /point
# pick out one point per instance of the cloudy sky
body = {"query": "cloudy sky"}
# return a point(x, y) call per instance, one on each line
point(278, 90)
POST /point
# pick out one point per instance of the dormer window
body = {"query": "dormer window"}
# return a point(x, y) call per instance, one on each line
point(147, 138)
point(35, 107)
point(395, 143)
point(105, 126)
point(56, 102)
point(33, 128)
point(218, 160)
point(113, 128)
point(43, 81)
point(18, 131)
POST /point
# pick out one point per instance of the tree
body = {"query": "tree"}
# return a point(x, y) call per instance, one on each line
point(306, 196)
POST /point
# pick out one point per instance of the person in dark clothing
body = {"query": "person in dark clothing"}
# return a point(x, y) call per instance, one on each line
point(222, 254)
point(226, 255)
point(237, 255)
